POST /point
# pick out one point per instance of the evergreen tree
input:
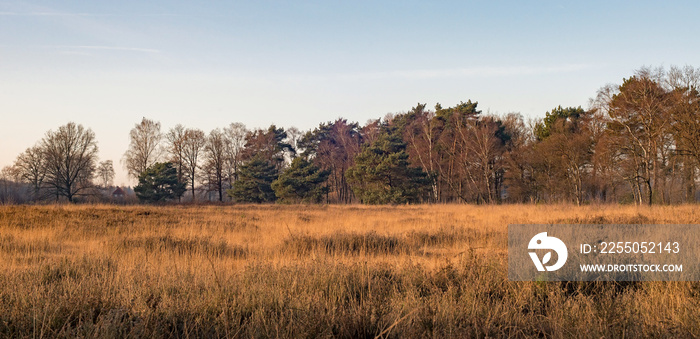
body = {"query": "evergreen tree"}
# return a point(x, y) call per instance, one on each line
point(566, 117)
point(159, 183)
point(268, 144)
point(301, 182)
point(254, 182)
point(382, 174)
point(333, 146)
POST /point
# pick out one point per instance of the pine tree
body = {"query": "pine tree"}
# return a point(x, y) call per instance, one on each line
point(301, 182)
point(382, 175)
point(159, 183)
point(254, 182)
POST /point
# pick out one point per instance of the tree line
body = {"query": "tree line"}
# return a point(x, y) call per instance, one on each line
point(637, 142)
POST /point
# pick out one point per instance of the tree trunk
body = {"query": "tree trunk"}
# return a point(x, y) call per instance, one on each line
point(193, 196)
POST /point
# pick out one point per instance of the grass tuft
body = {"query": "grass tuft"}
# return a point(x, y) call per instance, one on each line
point(183, 246)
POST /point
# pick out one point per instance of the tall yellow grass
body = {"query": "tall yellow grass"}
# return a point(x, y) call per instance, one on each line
point(313, 271)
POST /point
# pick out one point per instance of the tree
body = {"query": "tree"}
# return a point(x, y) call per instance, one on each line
point(176, 149)
point(608, 160)
point(105, 173)
point(70, 154)
point(144, 147)
point(270, 144)
point(565, 148)
point(159, 183)
point(518, 177)
point(382, 175)
point(294, 135)
point(215, 161)
point(685, 122)
point(420, 133)
point(193, 142)
point(31, 168)
point(11, 189)
point(469, 152)
point(333, 146)
point(454, 166)
point(236, 135)
point(564, 116)
point(462, 151)
point(301, 182)
point(254, 183)
point(482, 143)
point(639, 114)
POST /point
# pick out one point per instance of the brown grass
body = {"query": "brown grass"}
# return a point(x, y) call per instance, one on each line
point(313, 271)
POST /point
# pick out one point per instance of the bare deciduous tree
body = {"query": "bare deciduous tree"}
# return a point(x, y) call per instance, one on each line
point(70, 154)
point(215, 161)
point(144, 147)
point(11, 189)
point(685, 122)
point(293, 137)
point(639, 113)
point(175, 149)
point(333, 146)
point(486, 149)
point(105, 173)
point(236, 134)
point(193, 143)
point(31, 168)
point(420, 135)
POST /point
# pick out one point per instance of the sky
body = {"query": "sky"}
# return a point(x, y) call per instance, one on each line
point(206, 64)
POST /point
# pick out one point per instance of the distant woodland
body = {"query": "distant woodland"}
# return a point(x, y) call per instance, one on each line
point(637, 142)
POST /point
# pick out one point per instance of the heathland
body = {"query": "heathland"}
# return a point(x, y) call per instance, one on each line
point(313, 271)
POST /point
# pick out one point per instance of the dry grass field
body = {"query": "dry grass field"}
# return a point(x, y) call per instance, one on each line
point(313, 271)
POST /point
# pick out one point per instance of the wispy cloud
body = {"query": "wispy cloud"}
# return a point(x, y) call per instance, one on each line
point(68, 14)
point(48, 14)
point(110, 48)
point(487, 71)
point(74, 53)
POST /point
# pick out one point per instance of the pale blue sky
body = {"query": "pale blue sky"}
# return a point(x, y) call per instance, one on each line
point(205, 64)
